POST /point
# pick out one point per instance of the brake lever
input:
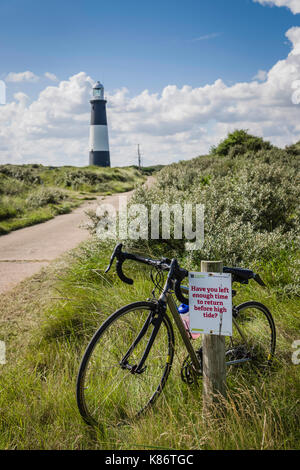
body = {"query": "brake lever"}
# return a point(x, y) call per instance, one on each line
point(116, 252)
point(180, 274)
point(120, 273)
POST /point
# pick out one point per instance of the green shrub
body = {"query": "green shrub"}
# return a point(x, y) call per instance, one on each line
point(7, 211)
point(10, 186)
point(45, 196)
point(293, 149)
point(26, 173)
point(76, 179)
point(239, 142)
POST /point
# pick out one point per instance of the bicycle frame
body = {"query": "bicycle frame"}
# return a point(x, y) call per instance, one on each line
point(166, 299)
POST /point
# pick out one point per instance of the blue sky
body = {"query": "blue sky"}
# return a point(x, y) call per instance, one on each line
point(143, 44)
point(178, 75)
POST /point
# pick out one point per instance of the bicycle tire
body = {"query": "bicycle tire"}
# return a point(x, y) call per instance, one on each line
point(128, 395)
point(257, 325)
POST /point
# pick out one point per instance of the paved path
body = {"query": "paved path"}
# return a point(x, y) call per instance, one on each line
point(24, 252)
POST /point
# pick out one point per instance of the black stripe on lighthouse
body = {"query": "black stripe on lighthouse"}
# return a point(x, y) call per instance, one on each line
point(99, 158)
point(99, 145)
point(98, 113)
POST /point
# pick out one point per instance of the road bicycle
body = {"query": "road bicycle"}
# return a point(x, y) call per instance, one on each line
point(127, 362)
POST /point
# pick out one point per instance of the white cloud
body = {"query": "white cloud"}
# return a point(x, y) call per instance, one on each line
point(261, 76)
point(21, 77)
point(293, 5)
point(21, 97)
point(51, 76)
point(51, 130)
point(178, 123)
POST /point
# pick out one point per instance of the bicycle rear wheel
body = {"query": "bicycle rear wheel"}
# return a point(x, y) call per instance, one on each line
point(254, 336)
point(106, 390)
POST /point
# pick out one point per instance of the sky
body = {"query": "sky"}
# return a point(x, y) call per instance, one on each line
point(178, 76)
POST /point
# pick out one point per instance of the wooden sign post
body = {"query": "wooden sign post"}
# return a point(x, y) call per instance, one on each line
point(214, 368)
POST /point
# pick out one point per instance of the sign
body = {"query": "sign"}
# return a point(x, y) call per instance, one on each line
point(210, 302)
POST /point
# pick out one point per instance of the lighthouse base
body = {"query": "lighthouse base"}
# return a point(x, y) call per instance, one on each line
point(100, 158)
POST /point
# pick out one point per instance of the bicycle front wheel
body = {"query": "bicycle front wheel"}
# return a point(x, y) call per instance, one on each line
point(106, 390)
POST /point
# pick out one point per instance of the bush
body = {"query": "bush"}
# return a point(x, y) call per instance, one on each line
point(11, 186)
point(76, 179)
point(293, 149)
point(93, 181)
point(25, 173)
point(7, 211)
point(45, 196)
point(239, 142)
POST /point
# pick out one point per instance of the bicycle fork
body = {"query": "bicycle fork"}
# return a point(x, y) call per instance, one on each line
point(155, 318)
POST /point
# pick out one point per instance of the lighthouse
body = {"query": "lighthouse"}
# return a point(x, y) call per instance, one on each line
point(99, 147)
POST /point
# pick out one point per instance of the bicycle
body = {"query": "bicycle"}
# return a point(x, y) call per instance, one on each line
point(127, 362)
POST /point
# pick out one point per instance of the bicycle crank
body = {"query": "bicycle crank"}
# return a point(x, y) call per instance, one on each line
point(188, 373)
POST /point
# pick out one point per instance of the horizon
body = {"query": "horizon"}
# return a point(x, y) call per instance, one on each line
point(133, 165)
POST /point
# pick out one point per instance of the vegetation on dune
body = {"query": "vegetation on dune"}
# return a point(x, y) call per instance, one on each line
point(251, 209)
point(30, 194)
point(252, 220)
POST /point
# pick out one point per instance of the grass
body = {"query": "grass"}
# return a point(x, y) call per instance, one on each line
point(31, 194)
point(36, 216)
point(47, 322)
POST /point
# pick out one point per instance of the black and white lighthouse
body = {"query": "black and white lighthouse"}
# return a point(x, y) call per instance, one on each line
point(99, 146)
